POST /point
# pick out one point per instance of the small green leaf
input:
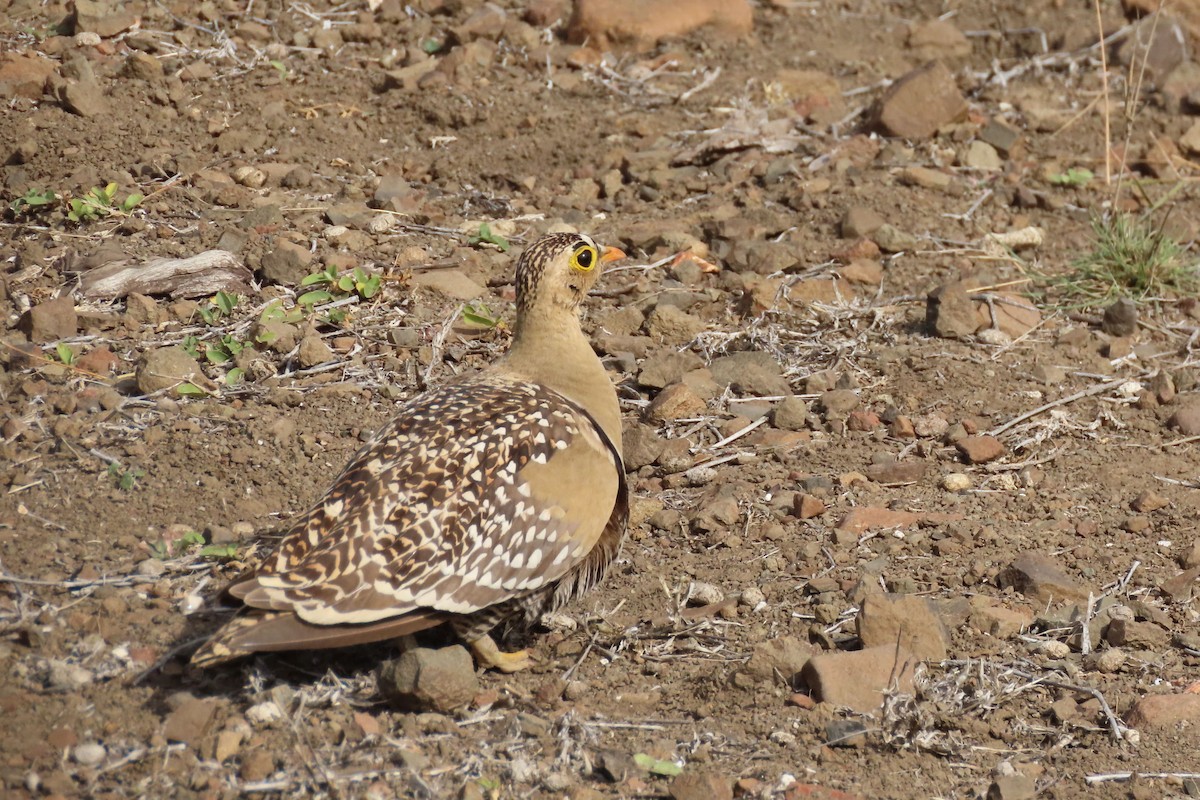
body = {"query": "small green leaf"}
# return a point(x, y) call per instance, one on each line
point(234, 376)
point(191, 346)
point(657, 766)
point(346, 283)
point(65, 353)
point(370, 287)
point(216, 354)
point(1075, 176)
point(227, 302)
point(190, 389)
point(314, 297)
point(220, 551)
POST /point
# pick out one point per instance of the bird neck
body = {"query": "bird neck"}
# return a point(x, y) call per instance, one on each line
point(549, 348)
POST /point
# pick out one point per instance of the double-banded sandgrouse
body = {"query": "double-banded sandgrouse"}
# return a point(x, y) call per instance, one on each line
point(494, 497)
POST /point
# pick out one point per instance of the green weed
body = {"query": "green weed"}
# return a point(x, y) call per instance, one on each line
point(100, 202)
point(1075, 176)
point(487, 236)
point(125, 479)
point(32, 201)
point(66, 354)
point(480, 315)
point(221, 305)
point(1130, 257)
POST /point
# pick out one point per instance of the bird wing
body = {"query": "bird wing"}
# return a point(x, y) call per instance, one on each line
point(477, 492)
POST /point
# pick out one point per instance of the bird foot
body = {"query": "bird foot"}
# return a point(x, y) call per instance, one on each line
point(491, 657)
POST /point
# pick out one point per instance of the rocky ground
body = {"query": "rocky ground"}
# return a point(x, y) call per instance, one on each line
point(915, 504)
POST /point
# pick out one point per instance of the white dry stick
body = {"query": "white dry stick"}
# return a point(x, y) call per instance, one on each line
point(1062, 401)
point(1085, 632)
point(1092, 780)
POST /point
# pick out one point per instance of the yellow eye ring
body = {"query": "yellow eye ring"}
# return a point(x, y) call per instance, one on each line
point(584, 259)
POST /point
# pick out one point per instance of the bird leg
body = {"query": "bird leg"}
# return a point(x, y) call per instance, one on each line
point(490, 656)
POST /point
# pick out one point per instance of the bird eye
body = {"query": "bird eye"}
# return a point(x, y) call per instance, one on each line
point(584, 258)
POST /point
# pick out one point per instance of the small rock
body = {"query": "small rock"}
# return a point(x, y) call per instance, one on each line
point(313, 351)
point(930, 426)
point(288, 264)
point(862, 420)
point(666, 367)
point(639, 24)
point(995, 620)
point(1191, 558)
point(423, 679)
point(1108, 661)
point(1048, 374)
point(452, 283)
point(790, 414)
point(920, 102)
point(677, 401)
point(937, 38)
point(64, 677)
point(190, 722)
point(1120, 318)
point(1186, 420)
point(142, 67)
point(751, 597)
point(981, 155)
point(907, 619)
point(897, 472)
point(1181, 587)
point(50, 321)
point(280, 337)
point(165, 368)
point(980, 449)
point(1136, 635)
point(83, 98)
point(1037, 575)
point(704, 594)
point(1149, 500)
point(264, 713)
point(640, 446)
point(926, 178)
point(24, 152)
point(24, 75)
point(1000, 135)
point(1157, 44)
point(859, 222)
point(838, 403)
point(806, 506)
point(104, 19)
point(950, 313)
point(956, 482)
point(750, 372)
point(150, 567)
point(1013, 787)
point(673, 325)
point(845, 733)
point(777, 659)
point(701, 784)
point(1165, 712)
point(858, 679)
point(893, 240)
point(89, 754)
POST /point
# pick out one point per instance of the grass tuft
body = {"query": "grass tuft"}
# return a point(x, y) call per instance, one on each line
point(1130, 257)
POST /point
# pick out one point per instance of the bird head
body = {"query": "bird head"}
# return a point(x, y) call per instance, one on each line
point(559, 269)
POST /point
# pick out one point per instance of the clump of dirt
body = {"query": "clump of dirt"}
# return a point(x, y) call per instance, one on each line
point(996, 479)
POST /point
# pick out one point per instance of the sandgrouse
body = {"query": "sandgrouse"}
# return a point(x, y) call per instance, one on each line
point(496, 497)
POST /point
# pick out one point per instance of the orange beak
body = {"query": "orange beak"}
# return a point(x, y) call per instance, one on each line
point(611, 254)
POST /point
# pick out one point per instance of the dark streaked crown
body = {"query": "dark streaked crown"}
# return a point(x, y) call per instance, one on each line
point(537, 259)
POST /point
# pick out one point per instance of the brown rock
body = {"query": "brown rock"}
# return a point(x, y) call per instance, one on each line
point(1191, 558)
point(750, 372)
point(922, 101)
point(980, 449)
point(863, 420)
point(950, 312)
point(988, 616)
point(165, 368)
point(838, 403)
point(1120, 318)
point(190, 722)
point(805, 506)
point(666, 367)
point(142, 66)
point(313, 351)
point(1013, 787)
point(902, 428)
point(1167, 711)
point(24, 75)
point(673, 325)
point(897, 472)
point(859, 222)
point(820, 290)
point(288, 263)
point(1181, 588)
point(423, 679)
point(1136, 635)
point(790, 414)
point(866, 518)
point(937, 38)
point(1149, 500)
point(100, 361)
point(777, 659)
point(907, 619)
point(859, 678)
point(1037, 575)
point(50, 321)
point(84, 98)
point(1157, 44)
point(104, 19)
point(1011, 313)
point(1186, 420)
point(701, 784)
point(640, 24)
point(640, 445)
point(862, 271)
point(677, 401)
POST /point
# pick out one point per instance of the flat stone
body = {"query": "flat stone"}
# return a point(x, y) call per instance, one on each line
point(837, 403)
point(1158, 44)
point(85, 99)
point(452, 283)
point(313, 351)
point(897, 472)
point(1037, 575)
point(164, 368)
point(701, 784)
point(807, 506)
point(926, 178)
point(981, 155)
point(423, 679)
point(867, 518)
point(51, 320)
point(288, 264)
point(190, 722)
point(104, 19)
point(980, 449)
point(1166, 712)
point(858, 679)
point(1186, 420)
point(893, 240)
point(640, 446)
point(1013, 787)
point(750, 372)
point(24, 75)
point(937, 38)
point(988, 616)
point(677, 401)
point(777, 659)
point(673, 325)
point(907, 619)
point(859, 222)
point(639, 24)
point(919, 103)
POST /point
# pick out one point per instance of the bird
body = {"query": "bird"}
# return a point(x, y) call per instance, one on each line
point(493, 498)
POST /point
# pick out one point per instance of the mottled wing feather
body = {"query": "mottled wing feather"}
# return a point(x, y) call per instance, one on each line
point(436, 512)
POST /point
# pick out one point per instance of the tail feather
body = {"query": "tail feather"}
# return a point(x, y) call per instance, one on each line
point(271, 631)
